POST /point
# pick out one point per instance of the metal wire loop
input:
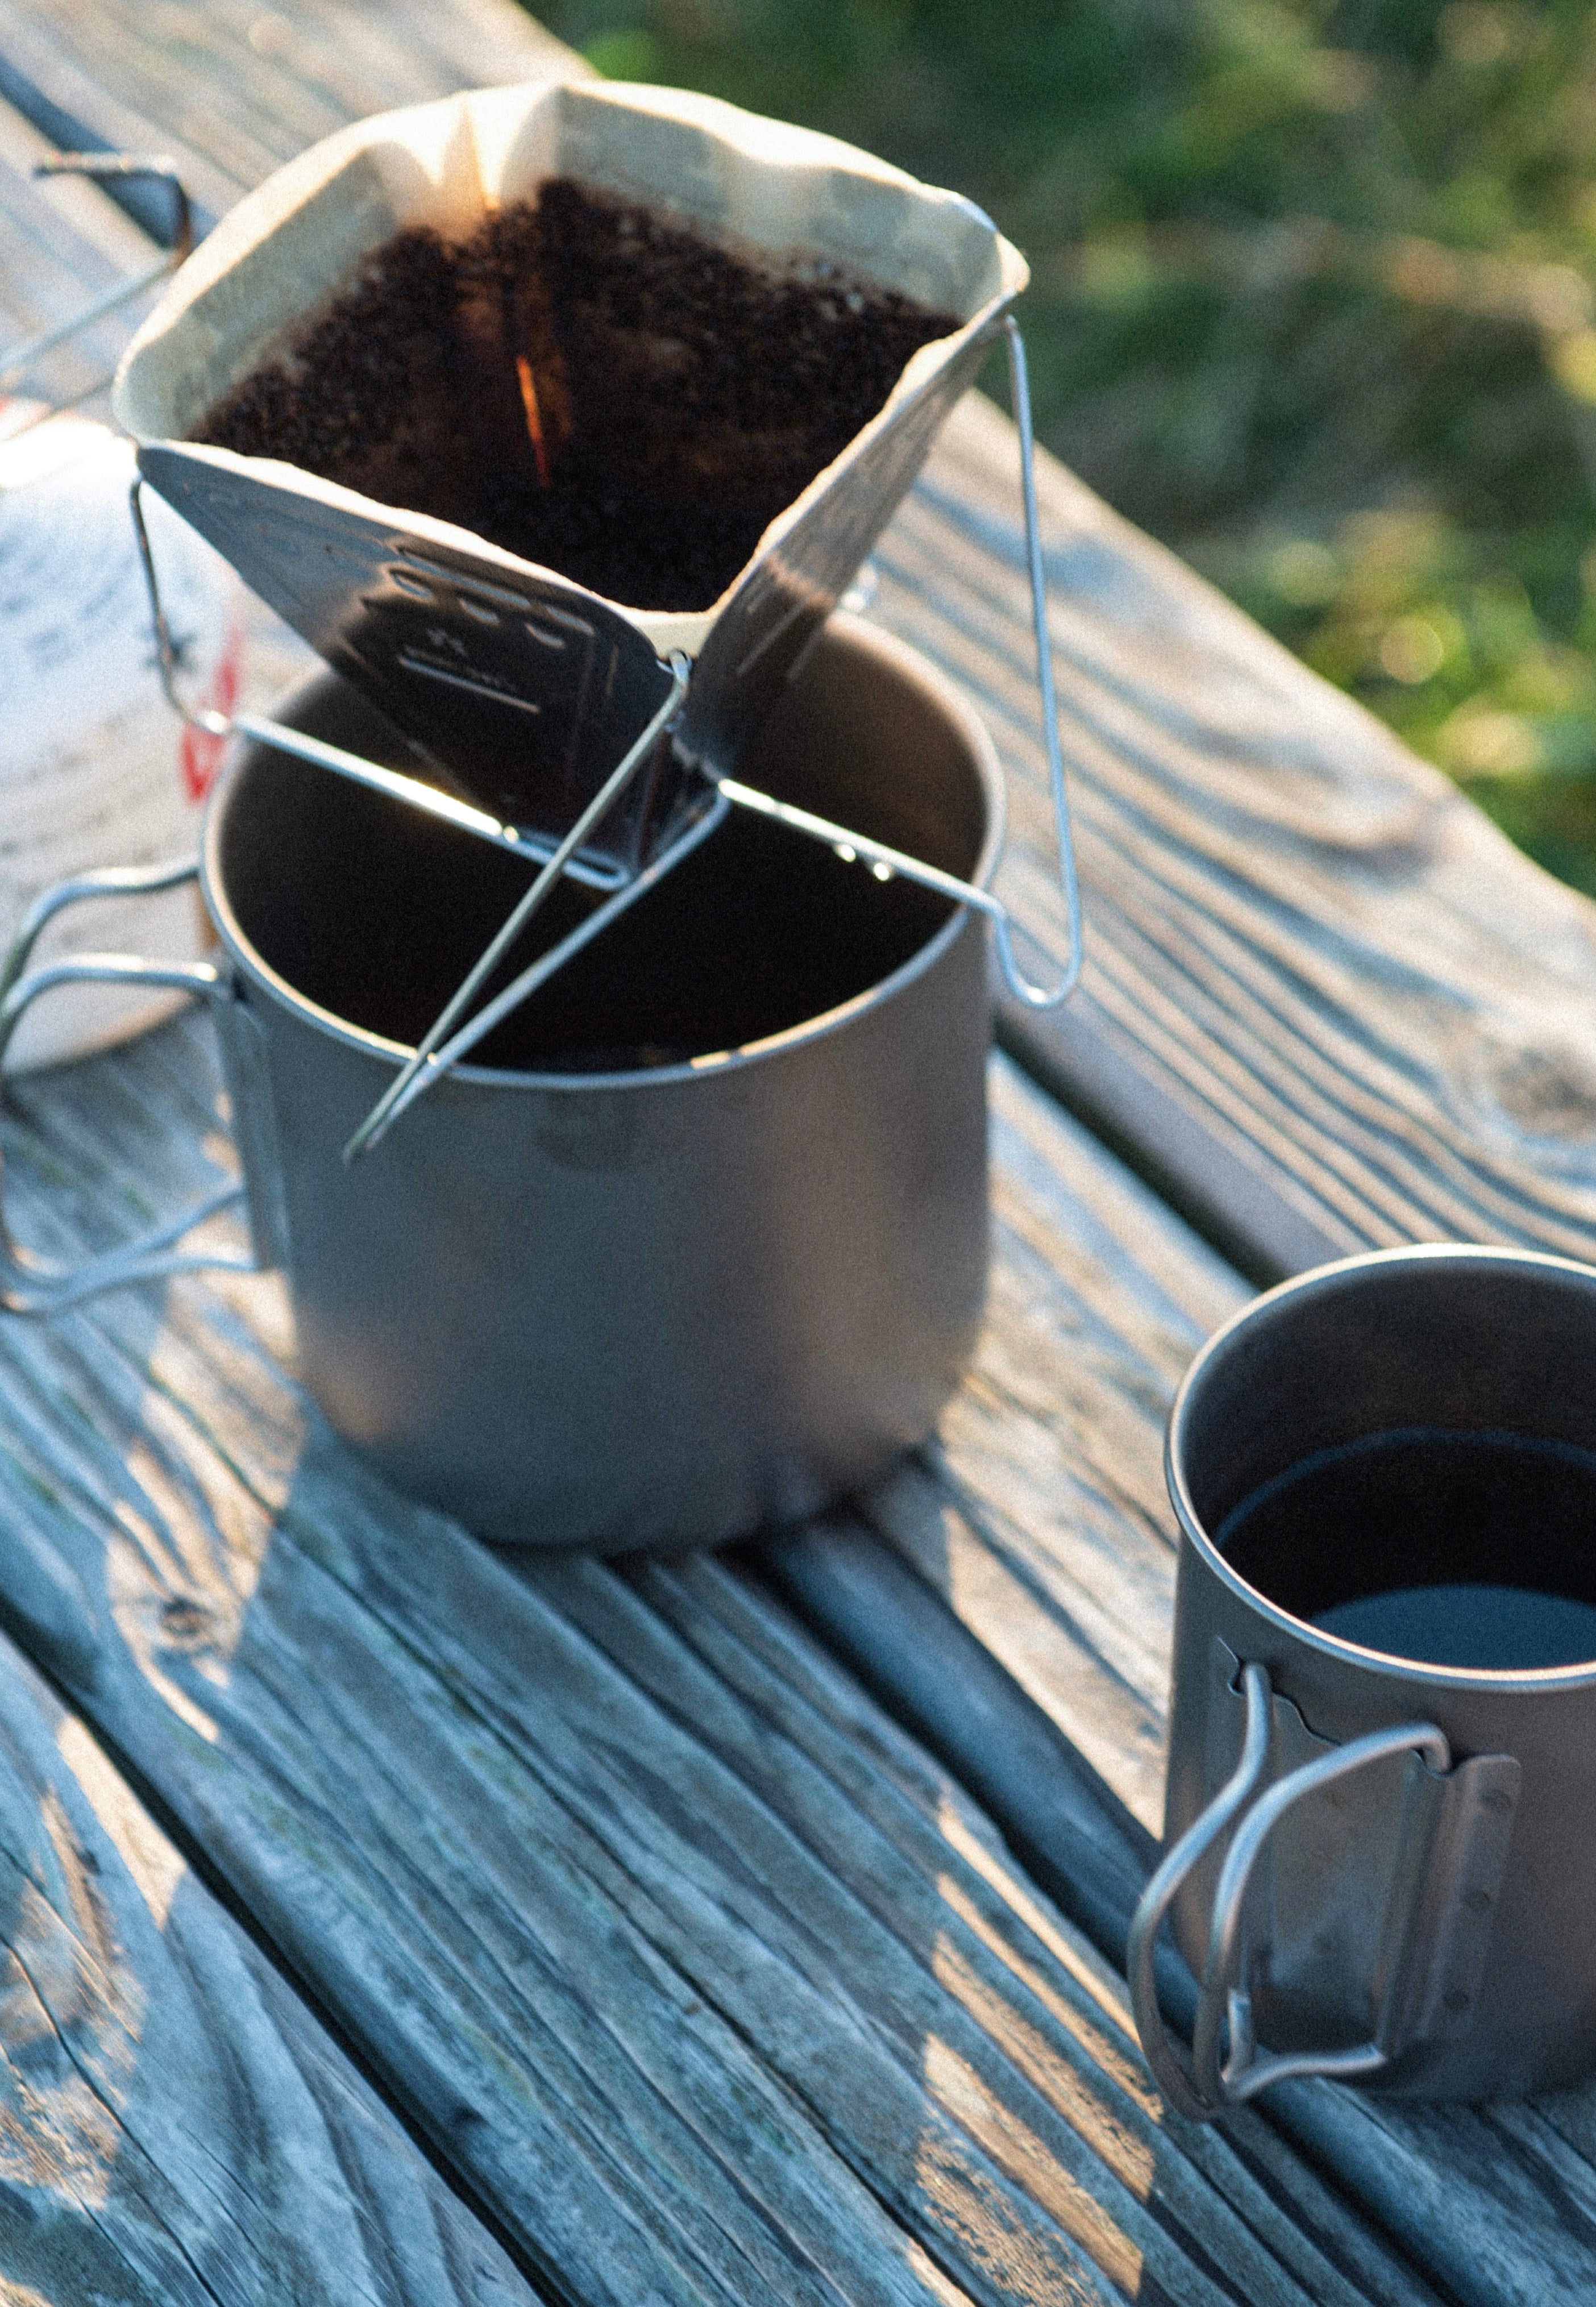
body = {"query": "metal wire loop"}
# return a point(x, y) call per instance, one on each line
point(1225, 2008)
point(105, 168)
point(34, 1285)
point(1185, 2096)
point(1036, 997)
point(889, 860)
point(1227, 2068)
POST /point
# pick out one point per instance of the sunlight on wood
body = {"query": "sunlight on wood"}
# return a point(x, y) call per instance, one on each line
point(1086, 1969)
point(185, 1560)
point(156, 1867)
point(71, 2010)
point(1017, 2260)
point(1083, 2101)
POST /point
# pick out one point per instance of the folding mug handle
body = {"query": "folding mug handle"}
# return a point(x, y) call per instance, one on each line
point(30, 1284)
point(1473, 1850)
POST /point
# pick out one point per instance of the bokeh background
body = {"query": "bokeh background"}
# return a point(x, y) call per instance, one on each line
point(1314, 301)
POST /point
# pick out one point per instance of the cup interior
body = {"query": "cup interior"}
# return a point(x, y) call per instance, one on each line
point(1401, 1454)
point(374, 913)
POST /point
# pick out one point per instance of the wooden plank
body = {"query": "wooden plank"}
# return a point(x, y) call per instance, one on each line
point(233, 88)
point(1130, 645)
point(707, 1981)
point(1330, 1005)
point(712, 1612)
point(175, 2127)
point(1326, 1002)
point(64, 244)
point(1034, 1632)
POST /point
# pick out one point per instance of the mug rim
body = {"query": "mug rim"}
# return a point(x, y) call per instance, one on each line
point(714, 1065)
point(1316, 1281)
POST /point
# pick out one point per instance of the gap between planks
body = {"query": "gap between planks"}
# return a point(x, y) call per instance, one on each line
point(174, 2128)
point(1029, 1648)
point(1326, 1002)
point(589, 1864)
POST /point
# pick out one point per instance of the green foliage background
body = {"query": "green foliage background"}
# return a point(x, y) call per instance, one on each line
point(1313, 303)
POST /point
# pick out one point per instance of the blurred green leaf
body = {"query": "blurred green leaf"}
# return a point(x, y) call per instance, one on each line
point(628, 52)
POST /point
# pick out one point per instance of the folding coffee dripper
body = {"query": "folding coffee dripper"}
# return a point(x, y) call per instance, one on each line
point(533, 709)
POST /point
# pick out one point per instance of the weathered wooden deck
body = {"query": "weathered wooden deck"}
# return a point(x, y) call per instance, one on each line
point(740, 1928)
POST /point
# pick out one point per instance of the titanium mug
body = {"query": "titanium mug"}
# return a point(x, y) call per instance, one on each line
point(1380, 1825)
point(702, 1244)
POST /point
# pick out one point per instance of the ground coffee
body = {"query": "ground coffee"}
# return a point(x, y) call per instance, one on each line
point(585, 383)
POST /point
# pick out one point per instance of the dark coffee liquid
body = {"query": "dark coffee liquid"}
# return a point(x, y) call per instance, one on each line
point(1449, 1550)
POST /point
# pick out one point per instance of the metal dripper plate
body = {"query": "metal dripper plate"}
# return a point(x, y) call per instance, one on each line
point(517, 689)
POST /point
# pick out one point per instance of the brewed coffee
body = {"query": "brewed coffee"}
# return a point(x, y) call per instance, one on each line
point(1445, 1548)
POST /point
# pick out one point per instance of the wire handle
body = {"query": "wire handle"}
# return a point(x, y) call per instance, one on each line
point(34, 1285)
point(861, 848)
point(1239, 1790)
point(103, 882)
point(1425, 1937)
point(1225, 2007)
point(105, 167)
point(1036, 997)
point(887, 861)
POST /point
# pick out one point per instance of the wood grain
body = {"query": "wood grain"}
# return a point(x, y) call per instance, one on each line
point(175, 2127)
point(711, 1985)
point(1329, 1006)
point(1034, 1633)
point(233, 88)
point(1326, 1002)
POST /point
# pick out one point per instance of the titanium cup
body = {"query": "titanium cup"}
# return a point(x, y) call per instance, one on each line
point(1381, 1868)
point(703, 1245)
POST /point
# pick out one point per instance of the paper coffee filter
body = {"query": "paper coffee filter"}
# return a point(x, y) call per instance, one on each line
point(372, 586)
point(748, 183)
